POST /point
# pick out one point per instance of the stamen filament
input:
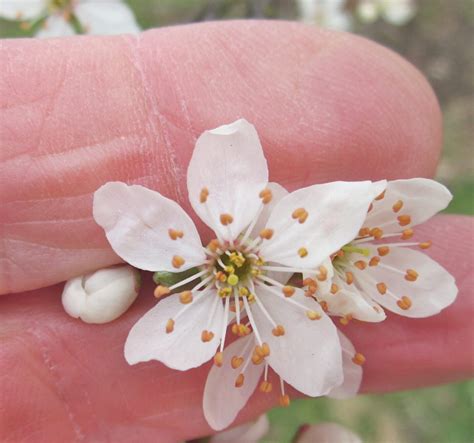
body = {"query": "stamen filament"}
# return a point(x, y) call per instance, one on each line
point(237, 305)
point(224, 323)
point(252, 321)
point(189, 279)
point(289, 300)
point(252, 224)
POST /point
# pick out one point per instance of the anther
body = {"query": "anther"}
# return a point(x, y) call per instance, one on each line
point(203, 195)
point(313, 315)
point(310, 282)
point(266, 196)
point(177, 261)
point(161, 291)
point(239, 381)
point(175, 234)
point(364, 232)
point(169, 326)
point(278, 331)
point(323, 273)
point(186, 297)
point(349, 277)
point(334, 288)
point(324, 306)
point(207, 336)
point(345, 320)
point(382, 288)
point(235, 362)
point(302, 252)
point(224, 292)
point(263, 350)
point(380, 196)
point(361, 264)
point(407, 233)
point(374, 261)
point(411, 275)
point(265, 387)
point(284, 400)
point(256, 359)
point(288, 291)
point(425, 245)
point(358, 359)
point(404, 220)
point(218, 359)
point(226, 219)
point(244, 291)
point(404, 303)
point(240, 329)
point(383, 250)
point(300, 214)
point(397, 206)
point(233, 279)
point(214, 245)
point(310, 291)
point(376, 233)
point(266, 233)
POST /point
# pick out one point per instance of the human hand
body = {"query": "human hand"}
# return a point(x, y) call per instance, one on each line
point(79, 112)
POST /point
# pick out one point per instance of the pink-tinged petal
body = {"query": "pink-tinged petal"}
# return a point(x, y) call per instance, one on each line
point(106, 17)
point(182, 348)
point(247, 433)
point(229, 167)
point(352, 371)
point(333, 214)
point(327, 433)
point(407, 203)
point(147, 230)
point(222, 400)
point(55, 26)
point(308, 356)
point(409, 273)
point(22, 9)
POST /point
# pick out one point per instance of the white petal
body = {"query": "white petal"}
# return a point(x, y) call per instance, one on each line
point(433, 290)
point(183, 348)
point(101, 296)
point(55, 26)
point(422, 198)
point(137, 221)
point(335, 213)
point(229, 162)
point(106, 17)
point(352, 372)
point(308, 356)
point(327, 433)
point(222, 401)
point(21, 9)
point(250, 432)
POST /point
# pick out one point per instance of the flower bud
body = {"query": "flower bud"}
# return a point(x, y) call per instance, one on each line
point(103, 295)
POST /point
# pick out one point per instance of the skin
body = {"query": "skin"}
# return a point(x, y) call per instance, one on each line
point(78, 112)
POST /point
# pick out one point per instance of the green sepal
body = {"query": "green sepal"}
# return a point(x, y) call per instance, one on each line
point(171, 278)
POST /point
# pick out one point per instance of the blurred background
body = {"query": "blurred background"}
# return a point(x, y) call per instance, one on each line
point(437, 37)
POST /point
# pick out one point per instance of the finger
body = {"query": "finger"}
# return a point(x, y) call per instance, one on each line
point(79, 112)
point(65, 378)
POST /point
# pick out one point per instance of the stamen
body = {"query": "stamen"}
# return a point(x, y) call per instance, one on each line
point(411, 275)
point(302, 252)
point(278, 331)
point(349, 277)
point(404, 303)
point(323, 273)
point(190, 279)
point(364, 232)
point(377, 233)
point(358, 359)
point(218, 359)
point(169, 326)
point(345, 319)
point(177, 261)
point(266, 234)
point(361, 264)
point(174, 234)
point(207, 336)
point(404, 220)
point(186, 297)
point(300, 214)
point(352, 249)
point(382, 288)
point(374, 261)
point(383, 250)
point(237, 306)
point(425, 245)
point(334, 288)
point(226, 219)
point(266, 196)
point(214, 245)
point(407, 234)
point(284, 399)
point(288, 291)
point(265, 387)
point(313, 315)
point(397, 206)
point(225, 322)
point(240, 330)
point(235, 361)
point(239, 381)
point(161, 291)
point(251, 320)
point(380, 196)
point(203, 195)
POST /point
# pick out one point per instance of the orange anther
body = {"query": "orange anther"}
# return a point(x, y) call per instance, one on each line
point(380, 196)
point(235, 361)
point(203, 195)
point(383, 250)
point(425, 245)
point(374, 261)
point(284, 400)
point(265, 387)
point(175, 234)
point(382, 288)
point(218, 359)
point(397, 206)
point(266, 233)
point(323, 273)
point(239, 381)
point(300, 214)
point(324, 306)
point(358, 359)
point(214, 245)
point(411, 275)
point(345, 320)
point(404, 303)
point(361, 264)
point(207, 336)
point(186, 297)
point(256, 359)
point(407, 233)
point(349, 277)
point(266, 196)
point(310, 291)
point(288, 291)
point(334, 288)
point(376, 233)
point(161, 291)
point(278, 331)
point(169, 326)
point(240, 329)
point(263, 350)
point(313, 315)
point(310, 282)
point(226, 219)
point(404, 220)
point(177, 261)
point(364, 232)
point(302, 252)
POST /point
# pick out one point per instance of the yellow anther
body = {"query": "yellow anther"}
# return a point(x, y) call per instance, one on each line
point(257, 359)
point(226, 219)
point(186, 297)
point(207, 336)
point(302, 252)
point(411, 275)
point(380, 196)
point(284, 400)
point(240, 329)
point(358, 359)
point(235, 361)
point(397, 206)
point(266, 233)
point(203, 195)
point(382, 288)
point(229, 269)
point(266, 196)
point(407, 234)
point(404, 220)
point(243, 291)
point(323, 273)
point(175, 234)
point(237, 259)
point(265, 387)
point(374, 261)
point(300, 214)
point(263, 350)
point(361, 264)
point(349, 277)
point(278, 331)
point(364, 232)
point(239, 381)
point(345, 320)
point(288, 291)
point(220, 276)
point(214, 245)
point(161, 291)
point(376, 233)
point(233, 279)
point(177, 261)
point(250, 298)
point(404, 303)
point(218, 359)
point(224, 292)
point(425, 245)
point(383, 250)
point(169, 326)
point(313, 315)
point(334, 288)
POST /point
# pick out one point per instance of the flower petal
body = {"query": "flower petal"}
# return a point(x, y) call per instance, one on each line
point(417, 198)
point(229, 163)
point(433, 290)
point(308, 355)
point(55, 26)
point(182, 348)
point(137, 222)
point(22, 9)
point(335, 212)
point(222, 401)
point(106, 17)
point(352, 372)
